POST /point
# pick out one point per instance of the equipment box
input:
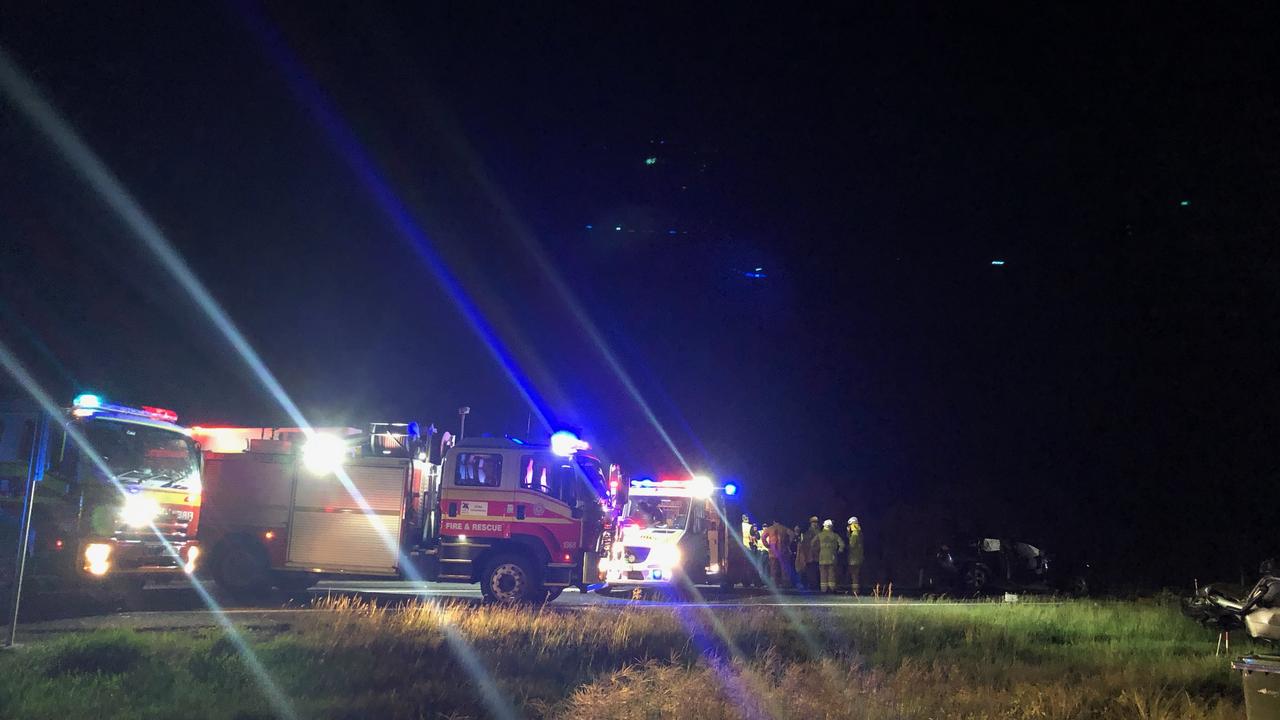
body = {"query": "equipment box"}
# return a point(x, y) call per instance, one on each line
point(1261, 686)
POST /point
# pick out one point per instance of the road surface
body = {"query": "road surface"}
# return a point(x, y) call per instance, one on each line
point(181, 608)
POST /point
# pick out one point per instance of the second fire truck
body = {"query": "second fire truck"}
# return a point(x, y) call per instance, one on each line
point(121, 509)
point(287, 508)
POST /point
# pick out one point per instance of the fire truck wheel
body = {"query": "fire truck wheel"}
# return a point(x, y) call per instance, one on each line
point(509, 579)
point(241, 569)
point(294, 584)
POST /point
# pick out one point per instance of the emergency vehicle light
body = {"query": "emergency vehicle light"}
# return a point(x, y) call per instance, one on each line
point(87, 400)
point(160, 413)
point(730, 488)
point(565, 443)
point(87, 404)
point(701, 486)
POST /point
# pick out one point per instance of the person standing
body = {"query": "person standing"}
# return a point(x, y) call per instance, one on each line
point(829, 548)
point(802, 558)
point(812, 578)
point(777, 540)
point(855, 554)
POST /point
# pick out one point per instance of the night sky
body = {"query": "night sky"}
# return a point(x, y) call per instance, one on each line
point(603, 182)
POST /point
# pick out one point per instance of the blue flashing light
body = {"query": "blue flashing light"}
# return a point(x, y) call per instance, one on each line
point(730, 489)
point(617, 228)
point(565, 443)
point(672, 232)
point(997, 262)
point(1185, 203)
point(657, 574)
point(590, 227)
point(756, 274)
point(87, 400)
point(651, 160)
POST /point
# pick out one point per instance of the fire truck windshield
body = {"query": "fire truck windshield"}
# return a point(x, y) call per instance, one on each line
point(660, 512)
point(145, 455)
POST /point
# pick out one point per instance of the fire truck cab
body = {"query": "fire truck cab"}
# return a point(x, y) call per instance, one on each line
point(519, 519)
point(290, 509)
point(115, 511)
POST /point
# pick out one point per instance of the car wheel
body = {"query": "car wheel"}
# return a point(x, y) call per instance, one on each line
point(509, 579)
point(975, 579)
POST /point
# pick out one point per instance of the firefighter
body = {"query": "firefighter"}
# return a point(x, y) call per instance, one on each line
point(810, 541)
point(762, 552)
point(855, 554)
point(797, 560)
point(777, 539)
point(829, 548)
point(802, 558)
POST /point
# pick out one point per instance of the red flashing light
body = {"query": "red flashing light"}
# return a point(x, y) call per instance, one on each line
point(57, 544)
point(160, 413)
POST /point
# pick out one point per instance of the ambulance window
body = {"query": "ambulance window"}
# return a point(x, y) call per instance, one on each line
point(479, 470)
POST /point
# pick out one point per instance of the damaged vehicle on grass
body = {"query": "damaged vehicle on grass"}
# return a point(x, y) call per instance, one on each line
point(1257, 611)
point(987, 565)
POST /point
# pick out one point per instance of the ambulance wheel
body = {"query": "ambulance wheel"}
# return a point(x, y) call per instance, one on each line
point(241, 568)
point(509, 579)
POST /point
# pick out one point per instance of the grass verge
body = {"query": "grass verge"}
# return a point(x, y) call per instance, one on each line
point(1015, 661)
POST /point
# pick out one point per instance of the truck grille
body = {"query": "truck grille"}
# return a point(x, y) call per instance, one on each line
point(170, 527)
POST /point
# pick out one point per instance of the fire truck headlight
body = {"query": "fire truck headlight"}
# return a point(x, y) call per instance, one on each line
point(193, 552)
point(97, 558)
point(665, 556)
point(139, 511)
point(323, 454)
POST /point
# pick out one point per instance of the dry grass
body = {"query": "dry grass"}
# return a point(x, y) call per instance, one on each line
point(1074, 660)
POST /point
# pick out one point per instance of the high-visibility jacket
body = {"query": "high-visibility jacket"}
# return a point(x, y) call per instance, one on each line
point(855, 544)
point(829, 547)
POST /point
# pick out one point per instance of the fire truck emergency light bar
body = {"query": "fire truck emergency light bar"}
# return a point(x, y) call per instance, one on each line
point(89, 404)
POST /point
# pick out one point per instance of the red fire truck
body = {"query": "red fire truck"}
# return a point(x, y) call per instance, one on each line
point(293, 507)
point(111, 515)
